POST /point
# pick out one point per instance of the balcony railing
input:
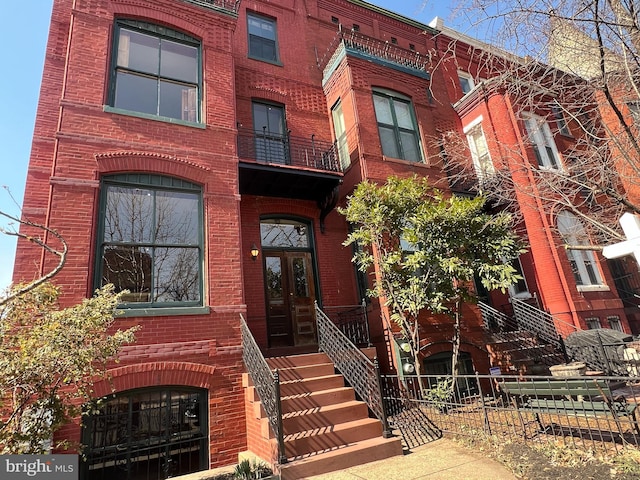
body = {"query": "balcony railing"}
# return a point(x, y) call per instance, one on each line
point(358, 43)
point(227, 5)
point(277, 149)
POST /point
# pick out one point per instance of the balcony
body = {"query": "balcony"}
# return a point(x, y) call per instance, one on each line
point(286, 166)
point(369, 48)
point(226, 6)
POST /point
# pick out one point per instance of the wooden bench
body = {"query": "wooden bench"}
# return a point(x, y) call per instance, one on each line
point(583, 397)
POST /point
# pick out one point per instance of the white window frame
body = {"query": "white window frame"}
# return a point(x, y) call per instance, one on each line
point(583, 262)
point(340, 133)
point(480, 154)
point(542, 142)
point(468, 79)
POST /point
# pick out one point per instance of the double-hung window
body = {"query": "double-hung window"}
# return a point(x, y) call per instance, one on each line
point(150, 240)
point(583, 262)
point(542, 142)
point(479, 149)
point(561, 121)
point(396, 125)
point(263, 38)
point(156, 71)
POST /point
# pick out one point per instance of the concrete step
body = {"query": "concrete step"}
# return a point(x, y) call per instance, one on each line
point(306, 401)
point(323, 417)
point(306, 385)
point(309, 400)
point(340, 458)
point(306, 371)
point(297, 360)
point(327, 438)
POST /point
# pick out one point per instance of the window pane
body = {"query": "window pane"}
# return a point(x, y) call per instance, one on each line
point(177, 275)
point(177, 101)
point(179, 61)
point(262, 48)
point(176, 218)
point(283, 234)
point(388, 141)
point(410, 150)
point(383, 109)
point(136, 93)
point(262, 27)
point(128, 268)
point(274, 277)
point(403, 115)
point(138, 51)
point(300, 286)
point(127, 215)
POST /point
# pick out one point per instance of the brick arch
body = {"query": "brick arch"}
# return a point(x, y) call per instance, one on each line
point(117, 162)
point(268, 94)
point(172, 17)
point(154, 374)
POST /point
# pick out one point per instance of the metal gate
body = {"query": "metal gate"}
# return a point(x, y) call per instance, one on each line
point(146, 435)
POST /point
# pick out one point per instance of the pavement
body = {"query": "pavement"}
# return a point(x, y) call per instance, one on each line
point(441, 459)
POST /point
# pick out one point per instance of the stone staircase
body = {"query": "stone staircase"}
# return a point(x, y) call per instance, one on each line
point(326, 429)
point(521, 352)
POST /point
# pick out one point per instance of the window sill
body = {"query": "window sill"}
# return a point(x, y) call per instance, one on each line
point(402, 161)
point(162, 311)
point(593, 288)
point(147, 116)
point(277, 63)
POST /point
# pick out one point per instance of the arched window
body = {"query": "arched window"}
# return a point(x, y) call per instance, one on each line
point(583, 262)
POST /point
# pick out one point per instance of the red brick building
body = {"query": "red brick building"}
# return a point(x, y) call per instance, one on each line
point(193, 152)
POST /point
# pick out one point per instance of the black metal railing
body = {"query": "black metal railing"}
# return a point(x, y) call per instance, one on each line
point(530, 340)
point(228, 5)
point(266, 383)
point(285, 149)
point(537, 321)
point(352, 320)
point(352, 40)
point(593, 413)
point(359, 371)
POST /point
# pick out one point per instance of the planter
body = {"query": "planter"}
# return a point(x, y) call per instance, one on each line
point(573, 369)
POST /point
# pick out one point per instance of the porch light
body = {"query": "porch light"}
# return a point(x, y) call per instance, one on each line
point(408, 368)
point(254, 251)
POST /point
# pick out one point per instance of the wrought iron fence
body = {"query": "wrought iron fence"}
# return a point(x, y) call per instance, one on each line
point(373, 47)
point(285, 149)
point(358, 370)
point(610, 358)
point(595, 413)
point(266, 383)
point(352, 320)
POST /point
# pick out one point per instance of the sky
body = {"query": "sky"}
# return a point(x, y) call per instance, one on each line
point(22, 45)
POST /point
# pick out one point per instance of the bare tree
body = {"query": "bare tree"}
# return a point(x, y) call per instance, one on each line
point(573, 76)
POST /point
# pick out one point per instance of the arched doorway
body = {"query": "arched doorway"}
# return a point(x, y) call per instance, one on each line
point(290, 285)
point(146, 434)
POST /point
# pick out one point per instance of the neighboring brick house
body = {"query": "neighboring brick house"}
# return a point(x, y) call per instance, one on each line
point(504, 132)
point(193, 152)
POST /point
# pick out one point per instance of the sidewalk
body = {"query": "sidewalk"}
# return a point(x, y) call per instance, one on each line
point(442, 459)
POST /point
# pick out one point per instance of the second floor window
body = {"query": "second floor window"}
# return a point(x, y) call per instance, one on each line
point(542, 142)
point(263, 40)
point(156, 71)
point(396, 125)
point(583, 262)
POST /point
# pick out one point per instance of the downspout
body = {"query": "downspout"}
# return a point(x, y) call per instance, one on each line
point(56, 144)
